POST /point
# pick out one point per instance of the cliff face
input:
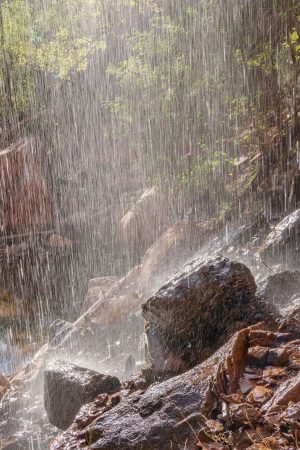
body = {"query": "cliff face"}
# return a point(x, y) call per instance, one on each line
point(26, 201)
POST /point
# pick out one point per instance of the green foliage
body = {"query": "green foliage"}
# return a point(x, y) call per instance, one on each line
point(166, 84)
point(295, 43)
point(263, 59)
point(211, 165)
point(59, 38)
point(182, 77)
point(151, 65)
point(43, 36)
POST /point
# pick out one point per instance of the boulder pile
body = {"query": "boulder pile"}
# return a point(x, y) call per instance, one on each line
point(245, 396)
point(201, 326)
point(220, 365)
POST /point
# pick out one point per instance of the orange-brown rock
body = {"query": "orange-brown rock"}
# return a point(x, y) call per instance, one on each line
point(288, 391)
point(97, 289)
point(25, 199)
point(271, 443)
point(274, 372)
point(165, 414)
point(233, 398)
point(8, 305)
point(142, 224)
point(215, 446)
point(244, 414)
point(4, 385)
point(262, 338)
point(278, 356)
point(291, 418)
point(259, 394)
point(258, 355)
point(294, 363)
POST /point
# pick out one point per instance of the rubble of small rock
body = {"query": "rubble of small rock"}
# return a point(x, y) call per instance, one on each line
point(245, 396)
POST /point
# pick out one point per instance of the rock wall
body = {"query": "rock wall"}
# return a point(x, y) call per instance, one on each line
point(26, 204)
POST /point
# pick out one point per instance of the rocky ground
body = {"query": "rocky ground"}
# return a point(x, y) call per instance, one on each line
point(222, 356)
point(246, 396)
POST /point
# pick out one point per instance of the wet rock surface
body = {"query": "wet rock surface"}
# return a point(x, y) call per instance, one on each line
point(226, 402)
point(114, 304)
point(24, 424)
point(161, 415)
point(97, 288)
point(26, 200)
point(280, 288)
point(198, 310)
point(131, 418)
point(141, 225)
point(67, 387)
point(170, 251)
point(282, 244)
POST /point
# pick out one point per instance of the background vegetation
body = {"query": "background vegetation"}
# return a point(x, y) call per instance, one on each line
point(164, 93)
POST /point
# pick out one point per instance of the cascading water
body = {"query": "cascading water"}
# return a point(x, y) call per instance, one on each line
point(128, 125)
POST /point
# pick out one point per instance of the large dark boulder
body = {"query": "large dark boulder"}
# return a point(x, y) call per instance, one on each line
point(282, 245)
point(198, 310)
point(67, 387)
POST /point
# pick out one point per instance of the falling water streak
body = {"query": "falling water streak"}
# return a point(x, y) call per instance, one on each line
point(159, 102)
